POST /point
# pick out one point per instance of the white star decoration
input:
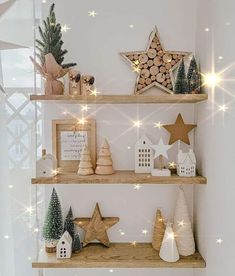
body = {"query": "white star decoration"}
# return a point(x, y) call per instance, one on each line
point(161, 149)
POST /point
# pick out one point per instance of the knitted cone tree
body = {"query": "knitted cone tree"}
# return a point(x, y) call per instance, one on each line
point(53, 224)
point(77, 245)
point(85, 165)
point(193, 77)
point(181, 82)
point(159, 230)
point(182, 226)
point(169, 252)
point(104, 162)
point(68, 224)
point(51, 41)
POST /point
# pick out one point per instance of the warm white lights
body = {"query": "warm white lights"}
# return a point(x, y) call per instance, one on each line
point(94, 92)
point(158, 125)
point(181, 223)
point(35, 230)
point(206, 29)
point(137, 187)
point(122, 233)
point(65, 28)
point(134, 243)
point(92, 13)
point(171, 236)
point(82, 121)
point(212, 79)
point(145, 231)
point(54, 172)
point(219, 241)
point(10, 186)
point(6, 237)
point(29, 209)
point(223, 108)
point(111, 270)
point(220, 57)
point(131, 26)
point(44, 1)
point(172, 165)
point(85, 107)
point(137, 124)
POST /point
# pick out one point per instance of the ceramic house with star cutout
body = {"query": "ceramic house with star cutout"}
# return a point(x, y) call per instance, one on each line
point(64, 246)
point(186, 163)
point(143, 155)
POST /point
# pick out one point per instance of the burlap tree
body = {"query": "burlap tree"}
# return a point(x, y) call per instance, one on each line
point(85, 166)
point(53, 224)
point(168, 251)
point(182, 226)
point(159, 230)
point(104, 162)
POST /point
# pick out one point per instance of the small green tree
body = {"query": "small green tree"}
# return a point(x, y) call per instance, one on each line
point(68, 224)
point(193, 76)
point(77, 245)
point(53, 224)
point(51, 41)
point(181, 82)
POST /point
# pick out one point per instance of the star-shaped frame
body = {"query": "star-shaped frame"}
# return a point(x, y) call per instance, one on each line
point(179, 130)
point(96, 227)
point(155, 66)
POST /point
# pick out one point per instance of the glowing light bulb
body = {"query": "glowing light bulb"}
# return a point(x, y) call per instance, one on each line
point(65, 112)
point(131, 26)
point(29, 209)
point(35, 230)
point(172, 165)
point(65, 28)
point(145, 231)
point(171, 236)
point(6, 237)
point(220, 57)
point(54, 172)
point(82, 121)
point(158, 125)
point(134, 243)
point(137, 124)
point(181, 223)
point(206, 29)
point(44, 1)
point(212, 80)
point(10, 186)
point(128, 147)
point(122, 233)
point(111, 270)
point(92, 13)
point(223, 108)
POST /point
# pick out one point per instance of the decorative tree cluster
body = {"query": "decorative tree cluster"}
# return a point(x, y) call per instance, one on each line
point(53, 225)
point(51, 41)
point(189, 83)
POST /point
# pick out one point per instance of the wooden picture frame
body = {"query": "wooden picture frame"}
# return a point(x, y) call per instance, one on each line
point(68, 138)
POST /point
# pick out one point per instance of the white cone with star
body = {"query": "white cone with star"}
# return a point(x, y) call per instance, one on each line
point(160, 152)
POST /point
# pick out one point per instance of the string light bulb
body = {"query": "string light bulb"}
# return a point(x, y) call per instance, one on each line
point(212, 79)
point(223, 108)
point(92, 13)
point(219, 241)
point(85, 108)
point(145, 231)
point(65, 28)
point(94, 92)
point(158, 125)
point(137, 187)
point(137, 124)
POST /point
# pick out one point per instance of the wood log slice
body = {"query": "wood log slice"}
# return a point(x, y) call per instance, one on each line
point(153, 45)
point(168, 80)
point(173, 62)
point(131, 57)
point(152, 53)
point(148, 81)
point(139, 86)
point(161, 53)
point(141, 80)
point(163, 69)
point(159, 48)
point(136, 57)
point(169, 86)
point(168, 66)
point(168, 76)
point(155, 39)
point(150, 63)
point(157, 61)
point(145, 73)
point(175, 56)
point(160, 77)
point(145, 66)
point(167, 58)
point(164, 83)
point(154, 70)
point(153, 78)
point(143, 58)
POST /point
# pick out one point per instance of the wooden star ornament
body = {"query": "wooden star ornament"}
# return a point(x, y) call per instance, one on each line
point(96, 227)
point(179, 130)
point(155, 66)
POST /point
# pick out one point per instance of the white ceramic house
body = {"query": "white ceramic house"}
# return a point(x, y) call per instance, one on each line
point(46, 165)
point(143, 155)
point(64, 246)
point(186, 163)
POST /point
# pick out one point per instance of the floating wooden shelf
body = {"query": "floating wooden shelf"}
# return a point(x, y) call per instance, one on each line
point(120, 177)
point(119, 255)
point(123, 99)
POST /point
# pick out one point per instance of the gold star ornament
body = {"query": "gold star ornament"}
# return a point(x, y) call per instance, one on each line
point(96, 227)
point(155, 66)
point(179, 130)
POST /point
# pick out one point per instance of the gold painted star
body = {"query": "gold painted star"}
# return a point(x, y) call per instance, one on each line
point(156, 65)
point(179, 130)
point(96, 227)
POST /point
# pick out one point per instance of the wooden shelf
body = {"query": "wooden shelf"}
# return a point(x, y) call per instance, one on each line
point(119, 255)
point(123, 99)
point(120, 177)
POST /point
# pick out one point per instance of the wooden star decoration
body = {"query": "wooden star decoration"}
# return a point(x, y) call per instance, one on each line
point(155, 66)
point(179, 130)
point(96, 227)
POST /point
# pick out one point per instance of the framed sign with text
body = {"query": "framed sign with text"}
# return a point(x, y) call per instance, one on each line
point(69, 138)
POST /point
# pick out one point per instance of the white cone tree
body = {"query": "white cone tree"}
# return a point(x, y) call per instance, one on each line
point(85, 165)
point(168, 251)
point(104, 162)
point(182, 226)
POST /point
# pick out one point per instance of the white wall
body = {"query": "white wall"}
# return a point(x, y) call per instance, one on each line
point(214, 210)
point(95, 43)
